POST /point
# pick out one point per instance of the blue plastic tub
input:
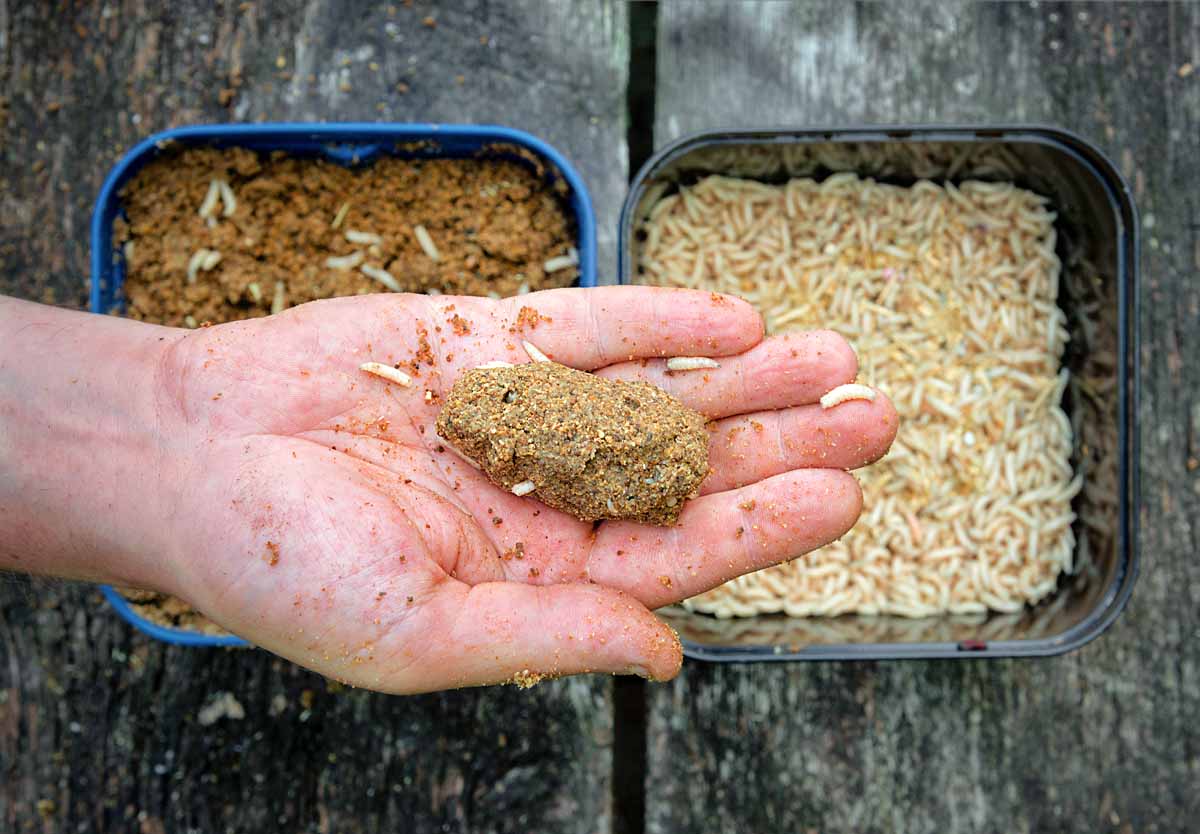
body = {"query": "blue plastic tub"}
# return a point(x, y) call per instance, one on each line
point(353, 144)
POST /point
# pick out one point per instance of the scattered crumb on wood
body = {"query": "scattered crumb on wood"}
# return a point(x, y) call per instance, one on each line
point(526, 679)
point(223, 705)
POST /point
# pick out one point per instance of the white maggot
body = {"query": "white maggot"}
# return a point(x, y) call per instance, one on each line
point(387, 372)
point(534, 354)
point(843, 393)
point(691, 363)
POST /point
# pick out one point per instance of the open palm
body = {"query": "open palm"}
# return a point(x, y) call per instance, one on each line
point(318, 514)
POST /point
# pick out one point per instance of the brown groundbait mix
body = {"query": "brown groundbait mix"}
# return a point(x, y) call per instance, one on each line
point(592, 447)
point(321, 230)
point(223, 235)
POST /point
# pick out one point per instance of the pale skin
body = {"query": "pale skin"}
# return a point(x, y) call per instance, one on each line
point(253, 470)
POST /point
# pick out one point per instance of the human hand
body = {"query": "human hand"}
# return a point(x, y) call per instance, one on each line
point(312, 509)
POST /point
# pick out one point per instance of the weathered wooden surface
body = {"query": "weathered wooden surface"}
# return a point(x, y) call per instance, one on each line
point(1104, 739)
point(100, 728)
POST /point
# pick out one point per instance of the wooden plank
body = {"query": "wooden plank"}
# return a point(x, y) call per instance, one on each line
point(1103, 739)
point(78, 89)
point(102, 726)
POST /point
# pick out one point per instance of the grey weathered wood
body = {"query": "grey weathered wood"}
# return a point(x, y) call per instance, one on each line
point(99, 724)
point(1104, 739)
point(119, 71)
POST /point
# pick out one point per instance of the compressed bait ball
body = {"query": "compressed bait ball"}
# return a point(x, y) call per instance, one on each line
point(592, 447)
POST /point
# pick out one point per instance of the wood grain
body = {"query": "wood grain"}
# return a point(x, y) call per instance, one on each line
point(1103, 739)
point(99, 727)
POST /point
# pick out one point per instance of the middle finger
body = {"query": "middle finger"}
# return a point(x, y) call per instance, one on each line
point(751, 447)
point(781, 372)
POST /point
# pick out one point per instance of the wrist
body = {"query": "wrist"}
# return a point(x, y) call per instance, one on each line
point(84, 446)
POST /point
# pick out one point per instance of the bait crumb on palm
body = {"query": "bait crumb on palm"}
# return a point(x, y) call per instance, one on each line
point(592, 447)
point(461, 326)
point(528, 318)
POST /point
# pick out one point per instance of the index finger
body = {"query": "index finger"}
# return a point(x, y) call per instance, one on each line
point(589, 328)
point(780, 372)
point(498, 632)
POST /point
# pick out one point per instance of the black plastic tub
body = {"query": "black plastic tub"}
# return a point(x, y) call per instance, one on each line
point(1099, 247)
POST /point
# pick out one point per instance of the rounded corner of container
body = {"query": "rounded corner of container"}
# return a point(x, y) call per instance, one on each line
point(667, 151)
point(1096, 155)
point(165, 634)
point(1093, 628)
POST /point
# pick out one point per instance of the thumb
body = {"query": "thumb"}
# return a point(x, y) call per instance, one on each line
point(511, 632)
